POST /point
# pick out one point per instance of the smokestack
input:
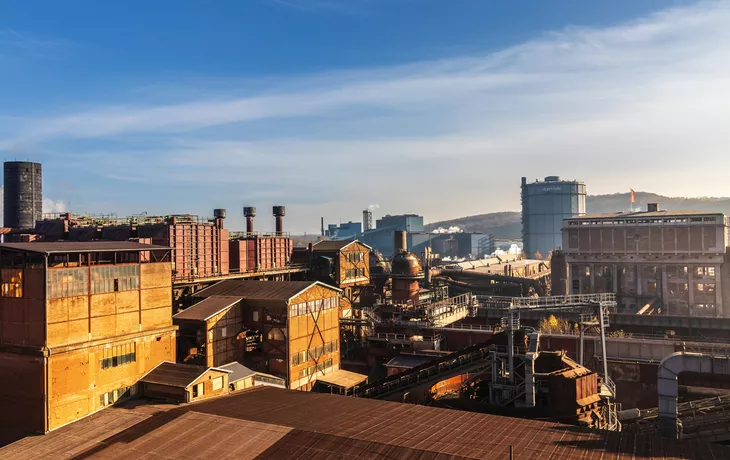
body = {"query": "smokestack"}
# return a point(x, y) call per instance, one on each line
point(250, 213)
point(367, 220)
point(322, 227)
point(279, 212)
point(23, 199)
point(400, 241)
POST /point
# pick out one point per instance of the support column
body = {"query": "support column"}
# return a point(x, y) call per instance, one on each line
point(691, 285)
point(593, 278)
point(665, 291)
point(718, 290)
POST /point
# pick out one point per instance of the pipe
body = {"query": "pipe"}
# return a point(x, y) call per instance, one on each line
point(279, 212)
point(668, 388)
point(250, 213)
point(400, 241)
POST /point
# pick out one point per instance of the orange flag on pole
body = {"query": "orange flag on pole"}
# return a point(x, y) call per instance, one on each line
point(633, 196)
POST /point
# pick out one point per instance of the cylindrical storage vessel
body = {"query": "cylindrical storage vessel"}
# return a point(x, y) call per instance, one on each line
point(219, 213)
point(23, 200)
point(400, 241)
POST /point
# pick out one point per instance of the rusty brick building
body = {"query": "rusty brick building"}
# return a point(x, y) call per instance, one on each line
point(80, 322)
point(345, 265)
point(296, 322)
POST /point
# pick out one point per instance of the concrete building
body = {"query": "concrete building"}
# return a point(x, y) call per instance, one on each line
point(544, 206)
point(344, 231)
point(295, 326)
point(671, 262)
point(381, 238)
point(80, 323)
point(463, 245)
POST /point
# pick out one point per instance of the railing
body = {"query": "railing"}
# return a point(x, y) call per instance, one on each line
point(467, 327)
point(392, 336)
point(246, 235)
point(238, 273)
point(557, 301)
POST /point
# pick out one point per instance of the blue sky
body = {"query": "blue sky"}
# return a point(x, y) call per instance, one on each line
point(327, 106)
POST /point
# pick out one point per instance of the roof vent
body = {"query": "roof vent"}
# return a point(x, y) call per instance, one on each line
point(652, 207)
point(552, 179)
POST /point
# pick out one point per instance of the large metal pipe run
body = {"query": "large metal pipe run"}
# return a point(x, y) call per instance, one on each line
point(668, 388)
point(250, 213)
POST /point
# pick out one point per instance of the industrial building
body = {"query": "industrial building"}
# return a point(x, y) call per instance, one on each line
point(199, 245)
point(289, 329)
point(457, 245)
point(544, 206)
point(658, 262)
point(381, 237)
point(184, 383)
point(343, 264)
point(270, 423)
point(344, 231)
point(80, 323)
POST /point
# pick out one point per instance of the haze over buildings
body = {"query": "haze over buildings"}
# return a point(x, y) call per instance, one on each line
point(224, 107)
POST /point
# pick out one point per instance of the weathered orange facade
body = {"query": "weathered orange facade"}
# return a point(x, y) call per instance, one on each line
point(79, 324)
point(298, 324)
point(350, 270)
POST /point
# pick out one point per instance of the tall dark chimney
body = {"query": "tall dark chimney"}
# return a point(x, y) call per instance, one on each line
point(400, 241)
point(23, 198)
point(250, 213)
point(322, 227)
point(279, 212)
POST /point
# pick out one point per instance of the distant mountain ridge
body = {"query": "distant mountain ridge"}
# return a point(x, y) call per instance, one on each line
point(508, 225)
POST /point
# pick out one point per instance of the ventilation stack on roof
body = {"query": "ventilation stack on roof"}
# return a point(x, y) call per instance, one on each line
point(249, 212)
point(279, 212)
point(400, 242)
point(23, 197)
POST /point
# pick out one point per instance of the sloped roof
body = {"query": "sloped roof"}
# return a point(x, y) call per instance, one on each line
point(175, 374)
point(207, 308)
point(260, 290)
point(272, 423)
point(238, 371)
point(336, 245)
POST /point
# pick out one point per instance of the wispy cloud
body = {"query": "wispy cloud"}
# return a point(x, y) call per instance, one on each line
point(617, 106)
point(17, 46)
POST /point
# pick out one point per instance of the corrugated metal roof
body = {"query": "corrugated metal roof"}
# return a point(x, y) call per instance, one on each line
point(343, 378)
point(238, 371)
point(260, 290)
point(81, 246)
point(274, 423)
point(410, 360)
point(174, 374)
point(207, 308)
point(335, 245)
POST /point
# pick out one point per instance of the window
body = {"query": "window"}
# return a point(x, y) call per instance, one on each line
point(119, 355)
point(12, 282)
point(67, 282)
point(276, 334)
point(111, 397)
point(223, 332)
point(217, 383)
point(255, 316)
point(114, 278)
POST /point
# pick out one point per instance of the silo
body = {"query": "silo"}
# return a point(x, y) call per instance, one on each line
point(23, 197)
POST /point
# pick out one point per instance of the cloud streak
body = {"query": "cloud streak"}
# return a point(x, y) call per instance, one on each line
point(603, 105)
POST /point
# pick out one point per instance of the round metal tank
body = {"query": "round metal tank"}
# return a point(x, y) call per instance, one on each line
point(219, 213)
point(406, 264)
point(552, 179)
point(249, 211)
point(279, 210)
point(23, 200)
